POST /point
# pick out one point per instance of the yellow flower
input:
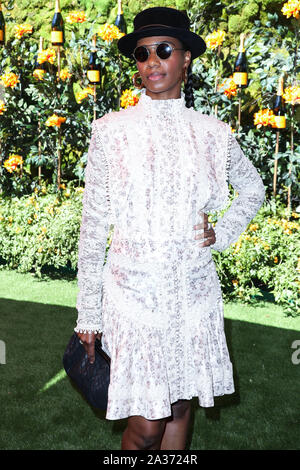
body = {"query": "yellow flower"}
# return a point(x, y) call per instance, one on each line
point(44, 190)
point(10, 219)
point(76, 17)
point(2, 107)
point(235, 282)
point(67, 193)
point(291, 8)
point(253, 227)
point(291, 95)
point(230, 87)
point(12, 162)
point(264, 117)
point(9, 79)
point(55, 120)
point(39, 74)
point(128, 99)
point(215, 39)
point(81, 95)
point(21, 29)
point(295, 215)
point(48, 55)
point(275, 259)
point(64, 74)
point(40, 249)
point(29, 221)
point(43, 229)
point(109, 32)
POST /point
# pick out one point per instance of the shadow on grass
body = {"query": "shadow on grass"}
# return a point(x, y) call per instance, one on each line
point(36, 336)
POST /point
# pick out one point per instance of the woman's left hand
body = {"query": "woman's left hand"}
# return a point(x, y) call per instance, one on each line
point(207, 232)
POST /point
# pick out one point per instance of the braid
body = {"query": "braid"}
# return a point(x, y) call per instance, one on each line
point(188, 88)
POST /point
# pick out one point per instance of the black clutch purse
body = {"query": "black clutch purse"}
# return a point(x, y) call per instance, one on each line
point(91, 379)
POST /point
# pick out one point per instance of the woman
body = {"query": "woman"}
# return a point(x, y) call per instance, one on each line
point(153, 171)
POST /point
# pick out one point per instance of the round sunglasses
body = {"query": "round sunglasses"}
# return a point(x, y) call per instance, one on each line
point(163, 51)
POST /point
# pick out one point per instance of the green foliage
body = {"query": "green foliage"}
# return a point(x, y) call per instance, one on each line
point(266, 254)
point(23, 128)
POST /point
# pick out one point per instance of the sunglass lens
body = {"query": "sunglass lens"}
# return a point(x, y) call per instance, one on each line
point(141, 54)
point(164, 51)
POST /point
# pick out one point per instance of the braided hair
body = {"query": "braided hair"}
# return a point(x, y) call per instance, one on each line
point(189, 85)
point(188, 88)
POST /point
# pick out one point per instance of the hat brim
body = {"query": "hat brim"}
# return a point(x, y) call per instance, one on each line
point(192, 41)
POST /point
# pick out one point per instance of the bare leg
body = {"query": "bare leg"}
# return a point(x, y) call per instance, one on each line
point(143, 434)
point(176, 428)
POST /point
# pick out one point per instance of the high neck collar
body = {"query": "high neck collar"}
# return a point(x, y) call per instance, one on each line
point(169, 105)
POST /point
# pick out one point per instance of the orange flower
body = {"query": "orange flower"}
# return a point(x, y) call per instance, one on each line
point(21, 29)
point(291, 8)
point(264, 117)
point(48, 55)
point(9, 79)
point(230, 88)
point(2, 107)
point(12, 162)
point(64, 75)
point(292, 95)
point(76, 17)
point(215, 39)
point(39, 74)
point(81, 95)
point(55, 120)
point(108, 32)
point(128, 99)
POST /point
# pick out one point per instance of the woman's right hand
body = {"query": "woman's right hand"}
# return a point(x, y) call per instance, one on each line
point(88, 341)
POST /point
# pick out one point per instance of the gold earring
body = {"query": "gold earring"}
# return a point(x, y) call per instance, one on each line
point(139, 85)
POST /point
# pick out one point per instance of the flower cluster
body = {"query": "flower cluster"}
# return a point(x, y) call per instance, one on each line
point(21, 29)
point(292, 95)
point(9, 79)
point(229, 87)
point(76, 17)
point(55, 120)
point(81, 95)
point(109, 32)
point(291, 8)
point(12, 162)
point(39, 74)
point(264, 117)
point(64, 75)
point(2, 107)
point(128, 99)
point(286, 225)
point(48, 55)
point(215, 39)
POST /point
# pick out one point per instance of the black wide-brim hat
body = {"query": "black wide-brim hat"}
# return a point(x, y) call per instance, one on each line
point(162, 21)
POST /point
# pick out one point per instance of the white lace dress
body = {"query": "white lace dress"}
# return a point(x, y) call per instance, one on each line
point(151, 170)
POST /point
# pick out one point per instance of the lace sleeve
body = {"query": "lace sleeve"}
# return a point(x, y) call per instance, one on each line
point(93, 238)
point(244, 178)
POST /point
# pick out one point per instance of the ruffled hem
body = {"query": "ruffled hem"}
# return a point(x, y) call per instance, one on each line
point(88, 330)
point(143, 373)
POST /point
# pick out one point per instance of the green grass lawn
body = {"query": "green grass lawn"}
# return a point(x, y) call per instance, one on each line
point(40, 409)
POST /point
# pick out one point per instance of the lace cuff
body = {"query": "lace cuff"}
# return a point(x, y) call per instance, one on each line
point(93, 237)
point(245, 179)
